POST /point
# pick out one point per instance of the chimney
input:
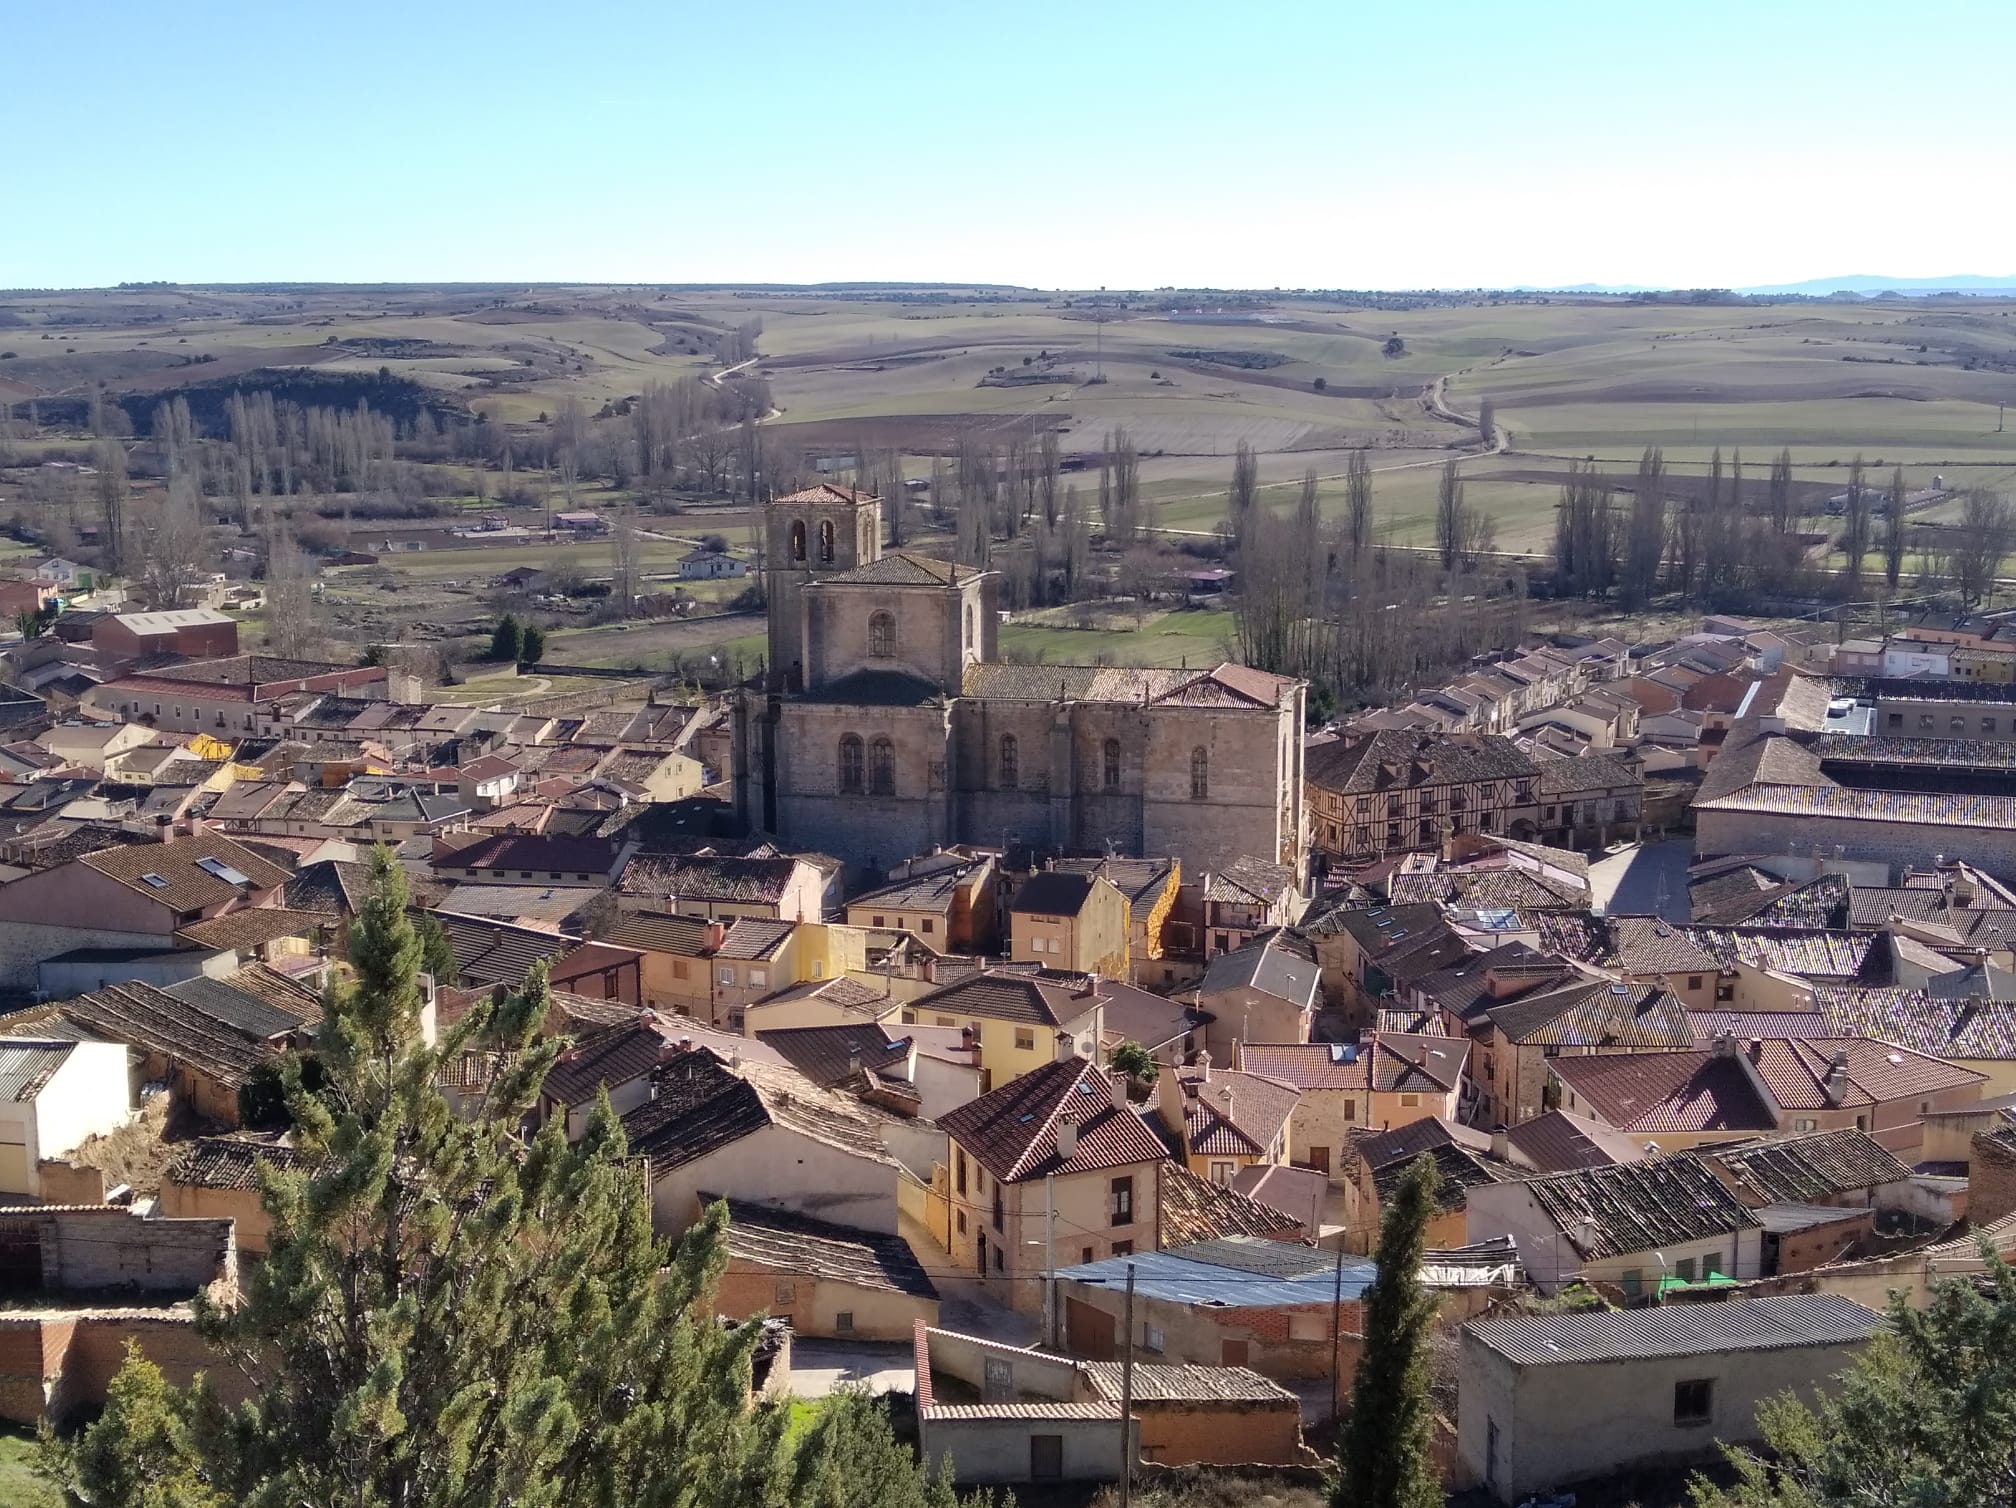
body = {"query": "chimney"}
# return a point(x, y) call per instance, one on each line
point(1837, 1079)
point(1725, 1044)
point(853, 1065)
point(1169, 1100)
point(716, 931)
point(1066, 1047)
point(1067, 1137)
point(1118, 1083)
point(1204, 1066)
point(1501, 1146)
point(1091, 990)
point(1756, 1049)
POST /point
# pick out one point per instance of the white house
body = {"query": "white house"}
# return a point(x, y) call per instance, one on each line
point(711, 565)
point(55, 1094)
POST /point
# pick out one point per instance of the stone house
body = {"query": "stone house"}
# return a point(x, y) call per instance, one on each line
point(1020, 1024)
point(1674, 1101)
point(824, 1280)
point(1548, 1399)
point(1516, 1043)
point(1263, 992)
point(218, 1177)
point(136, 896)
point(946, 901)
point(620, 1060)
point(1379, 1083)
point(1064, 1140)
point(769, 1134)
point(1073, 922)
point(53, 1095)
point(723, 887)
point(1244, 899)
point(1220, 1121)
point(1635, 1226)
point(1203, 1415)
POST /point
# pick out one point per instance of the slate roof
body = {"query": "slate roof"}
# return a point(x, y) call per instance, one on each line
point(708, 877)
point(827, 1054)
point(1639, 1206)
point(1153, 1383)
point(681, 936)
point(1012, 1131)
point(1002, 996)
point(702, 1105)
point(1644, 1092)
point(493, 952)
point(1275, 963)
point(1807, 1169)
point(252, 926)
point(188, 884)
point(1558, 1142)
point(1595, 1013)
point(1982, 1031)
point(1189, 1208)
point(933, 891)
point(1773, 1323)
point(1052, 893)
point(227, 1162)
point(780, 1241)
point(614, 1057)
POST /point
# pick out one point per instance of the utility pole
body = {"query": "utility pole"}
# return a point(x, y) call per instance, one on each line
point(1050, 1260)
point(1337, 1336)
point(1127, 1400)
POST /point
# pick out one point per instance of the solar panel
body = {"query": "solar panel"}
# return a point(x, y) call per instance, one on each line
point(223, 871)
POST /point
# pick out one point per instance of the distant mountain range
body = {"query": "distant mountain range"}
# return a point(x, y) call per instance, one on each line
point(1857, 282)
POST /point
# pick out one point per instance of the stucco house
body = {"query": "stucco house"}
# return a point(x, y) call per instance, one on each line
point(1221, 1121)
point(826, 1280)
point(1070, 921)
point(1547, 1400)
point(1061, 1139)
point(54, 1094)
point(1019, 1022)
point(1262, 992)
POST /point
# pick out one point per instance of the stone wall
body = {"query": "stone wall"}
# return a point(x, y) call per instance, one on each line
point(67, 1183)
point(1892, 843)
point(90, 1250)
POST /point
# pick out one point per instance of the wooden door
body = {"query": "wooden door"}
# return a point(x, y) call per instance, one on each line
point(1046, 1458)
point(1089, 1330)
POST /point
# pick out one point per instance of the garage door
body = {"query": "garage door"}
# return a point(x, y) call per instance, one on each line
point(1090, 1330)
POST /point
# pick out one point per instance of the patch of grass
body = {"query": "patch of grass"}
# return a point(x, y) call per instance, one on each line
point(20, 1487)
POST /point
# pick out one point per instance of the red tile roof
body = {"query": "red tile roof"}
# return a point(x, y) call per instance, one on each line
point(1012, 1131)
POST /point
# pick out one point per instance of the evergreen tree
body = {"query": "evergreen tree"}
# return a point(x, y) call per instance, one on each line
point(1927, 1415)
point(532, 644)
point(507, 640)
point(1383, 1455)
point(450, 1317)
point(437, 953)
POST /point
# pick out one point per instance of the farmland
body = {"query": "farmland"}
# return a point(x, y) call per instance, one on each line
point(1305, 382)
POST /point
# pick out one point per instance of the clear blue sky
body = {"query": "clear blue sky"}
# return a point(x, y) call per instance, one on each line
point(1097, 143)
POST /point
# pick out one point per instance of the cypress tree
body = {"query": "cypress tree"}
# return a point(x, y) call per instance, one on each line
point(437, 953)
point(450, 1317)
point(507, 640)
point(1384, 1451)
point(532, 648)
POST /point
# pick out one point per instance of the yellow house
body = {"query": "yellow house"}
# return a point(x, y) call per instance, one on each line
point(1224, 1119)
point(1017, 1020)
point(757, 957)
point(676, 951)
point(1071, 921)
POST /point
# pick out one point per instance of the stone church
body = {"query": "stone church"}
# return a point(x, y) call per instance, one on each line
point(886, 725)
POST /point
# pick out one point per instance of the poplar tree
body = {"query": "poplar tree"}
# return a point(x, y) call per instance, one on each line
point(452, 1317)
point(1384, 1454)
point(1358, 503)
point(1893, 530)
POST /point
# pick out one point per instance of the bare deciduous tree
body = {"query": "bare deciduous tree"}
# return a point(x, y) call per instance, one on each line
point(109, 458)
point(1979, 543)
point(1855, 531)
point(1451, 516)
point(1893, 530)
point(626, 568)
point(1358, 503)
point(1646, 535)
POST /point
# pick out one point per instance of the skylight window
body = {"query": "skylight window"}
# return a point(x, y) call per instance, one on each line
point(154, 881)
point(220, 870)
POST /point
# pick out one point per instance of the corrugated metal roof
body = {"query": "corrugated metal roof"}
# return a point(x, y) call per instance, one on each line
point(1268, 1274)
point(1761, 1324)
point(26, 1064)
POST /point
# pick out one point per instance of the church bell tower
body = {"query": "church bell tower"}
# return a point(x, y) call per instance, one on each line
point(819, 531)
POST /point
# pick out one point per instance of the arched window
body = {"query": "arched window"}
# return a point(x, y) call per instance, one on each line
point(1200, 774)
point(1011, 762)
point(826, 541)
point(882, 768)
point(798, 540)
point(850, 765)
point(1109, 772)
point(882, 635)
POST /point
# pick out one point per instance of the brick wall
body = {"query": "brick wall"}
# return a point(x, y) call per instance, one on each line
point(1223, 1434)
point(1991, 1181)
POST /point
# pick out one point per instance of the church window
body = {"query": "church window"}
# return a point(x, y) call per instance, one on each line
point(1011, 762)
point(882, 635)
point(826, 542)
point(798, 540)
point(882, 768)
point(850, 765)
point(1200, 774)
point(1109, 774)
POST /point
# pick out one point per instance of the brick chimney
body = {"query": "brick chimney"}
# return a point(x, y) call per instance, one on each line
point(1836, 1083)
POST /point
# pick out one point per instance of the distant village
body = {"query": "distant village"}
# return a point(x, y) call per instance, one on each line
point(1058, 1035)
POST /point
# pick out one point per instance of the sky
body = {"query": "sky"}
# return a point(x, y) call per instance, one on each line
point(1083, 144)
